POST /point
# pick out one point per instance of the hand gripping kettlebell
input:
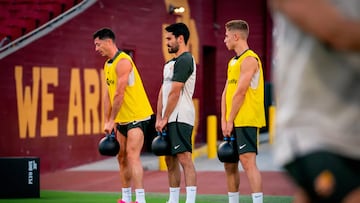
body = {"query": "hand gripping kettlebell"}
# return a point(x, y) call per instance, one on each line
point(108, 145)
point(226, 151)
point(160, 145)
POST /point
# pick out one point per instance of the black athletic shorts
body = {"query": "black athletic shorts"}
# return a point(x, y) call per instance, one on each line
point(246, 139)
point(342, 174)
point(179, 136)
point(143, 125)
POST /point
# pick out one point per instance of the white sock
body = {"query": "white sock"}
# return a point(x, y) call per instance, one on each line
point(126, 194)
point(174, 195)
point(257, 197)
point(140, 195)
point(190, 194)
point(233, 197)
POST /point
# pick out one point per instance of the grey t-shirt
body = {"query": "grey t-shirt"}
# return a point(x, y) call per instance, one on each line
point(181, 69)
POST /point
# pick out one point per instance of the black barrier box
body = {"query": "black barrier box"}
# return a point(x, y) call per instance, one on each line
point(19, 177)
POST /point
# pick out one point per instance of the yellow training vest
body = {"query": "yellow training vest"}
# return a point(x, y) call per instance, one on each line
point(136, 105)
point(252, 111)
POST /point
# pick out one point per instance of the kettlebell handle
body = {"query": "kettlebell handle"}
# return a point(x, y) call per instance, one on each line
point(163, 133)
point(231, 138)
point(112, 134)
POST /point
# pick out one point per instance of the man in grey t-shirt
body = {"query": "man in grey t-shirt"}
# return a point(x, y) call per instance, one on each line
point(175, 111)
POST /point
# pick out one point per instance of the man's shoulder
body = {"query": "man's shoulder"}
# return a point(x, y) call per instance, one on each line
point(185, 56)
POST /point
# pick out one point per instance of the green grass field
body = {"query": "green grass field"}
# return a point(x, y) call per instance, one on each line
point(111, 197)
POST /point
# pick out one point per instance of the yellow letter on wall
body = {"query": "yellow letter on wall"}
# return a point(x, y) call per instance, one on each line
point(92, 100)
point(49, 127)
point(75, 104)
point(27, 102)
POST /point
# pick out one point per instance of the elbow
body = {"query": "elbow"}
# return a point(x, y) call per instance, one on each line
point(346, 40)
point(174, 95)
point(345, 44)
point(118, 98)
point(240, 94)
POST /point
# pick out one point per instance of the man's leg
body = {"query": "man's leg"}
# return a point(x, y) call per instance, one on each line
point(174, 178)
point(135, 142)
point(125, 175)
point(187, 164)
point(301, 196)
point(248, 162)
point(233, 181)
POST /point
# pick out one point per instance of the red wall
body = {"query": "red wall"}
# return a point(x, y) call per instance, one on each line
point(62, 73)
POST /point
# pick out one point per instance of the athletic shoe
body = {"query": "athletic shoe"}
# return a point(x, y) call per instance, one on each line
point(121, 201)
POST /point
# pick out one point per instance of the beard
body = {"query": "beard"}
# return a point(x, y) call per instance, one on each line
point(173, 49)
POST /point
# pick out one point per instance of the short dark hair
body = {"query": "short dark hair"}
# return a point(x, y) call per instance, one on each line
point(104, 33)
point(241, 25)
point(179, 29)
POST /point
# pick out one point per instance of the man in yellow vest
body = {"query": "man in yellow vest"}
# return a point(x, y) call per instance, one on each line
point(127, 110)
point(242, 109)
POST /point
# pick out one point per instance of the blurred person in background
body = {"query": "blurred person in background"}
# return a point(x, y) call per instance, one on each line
point(317, 89)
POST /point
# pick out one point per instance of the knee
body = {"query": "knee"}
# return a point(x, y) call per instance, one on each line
point(133, 157)
point(122, 159)
point(184, 158)
point(231, 167)
point(133, 153)
point(247, 163)
point(244, 161)
point(187, 164)
point(171, 163)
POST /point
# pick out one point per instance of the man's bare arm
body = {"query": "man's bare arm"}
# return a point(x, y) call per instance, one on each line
point(322, 20)
point(123, 70)
point(173, 98)
point(248, 69)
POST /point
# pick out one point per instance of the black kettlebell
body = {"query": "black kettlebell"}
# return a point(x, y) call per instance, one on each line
point(108, 145)
point(160, 145)
point(226, 151)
